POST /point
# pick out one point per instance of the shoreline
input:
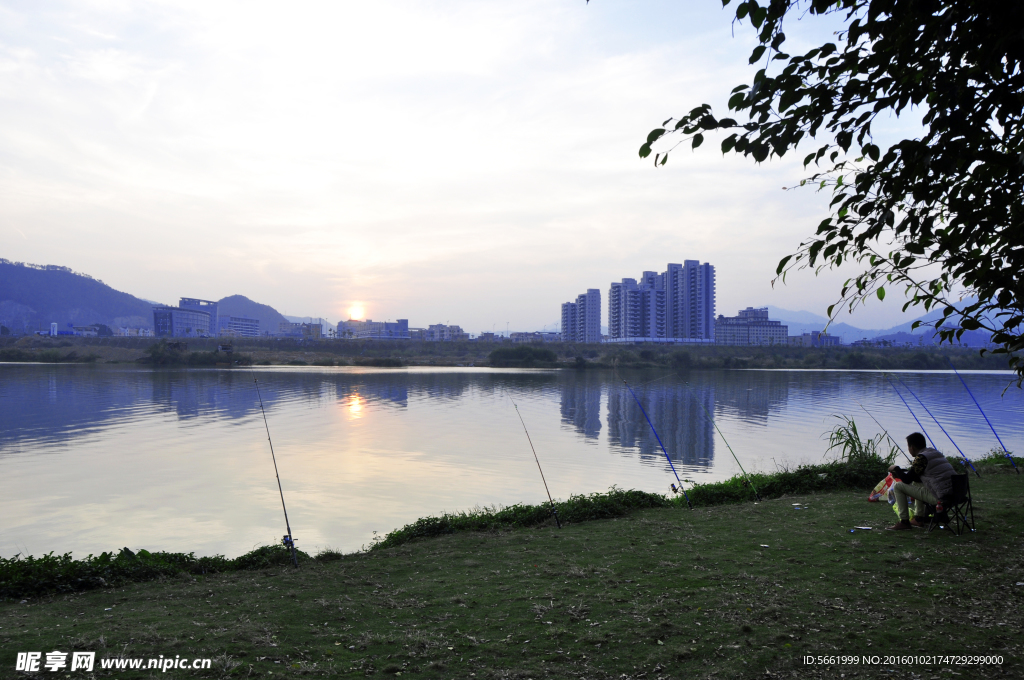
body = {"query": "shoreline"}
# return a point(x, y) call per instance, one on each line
point(733, 590)
point(49, 575)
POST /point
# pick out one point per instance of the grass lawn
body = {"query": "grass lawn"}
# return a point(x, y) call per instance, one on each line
point(735, 591)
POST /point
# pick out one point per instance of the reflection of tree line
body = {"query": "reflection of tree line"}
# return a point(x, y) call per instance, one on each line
point(52, 402)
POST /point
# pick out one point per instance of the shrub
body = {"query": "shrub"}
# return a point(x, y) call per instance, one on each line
point(33, 576)
point(614, 503)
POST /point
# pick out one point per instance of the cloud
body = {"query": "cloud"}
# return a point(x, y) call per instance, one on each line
point(464, 160)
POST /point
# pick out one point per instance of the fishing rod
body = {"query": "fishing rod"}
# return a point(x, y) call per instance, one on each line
point(885, 431)
point(287, 540)
point(1005, 452)
point(685, 495)
point(911, 411)
point(940, 425)
point(554, 510)
point(745, 475)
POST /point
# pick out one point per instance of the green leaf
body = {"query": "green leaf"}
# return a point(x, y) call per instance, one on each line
point(758, 15)
point(880, 293)
point(655, 135)
point(645, 150)
point(698, 139)
point(756, 54)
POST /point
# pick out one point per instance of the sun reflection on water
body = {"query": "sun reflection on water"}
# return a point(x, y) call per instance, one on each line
point(355, 406)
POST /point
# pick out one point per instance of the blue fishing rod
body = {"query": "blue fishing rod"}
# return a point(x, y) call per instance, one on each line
point(940, 425)
point(1005, 452)
point(704, 408)
point(685, 495)
point(911, 411)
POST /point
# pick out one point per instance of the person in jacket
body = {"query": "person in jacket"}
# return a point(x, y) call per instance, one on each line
point(928, 481)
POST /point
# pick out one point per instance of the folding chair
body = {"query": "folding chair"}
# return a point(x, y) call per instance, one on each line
point(958, 509)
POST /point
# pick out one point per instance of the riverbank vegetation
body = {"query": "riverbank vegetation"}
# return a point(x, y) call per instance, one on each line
point(396, 354)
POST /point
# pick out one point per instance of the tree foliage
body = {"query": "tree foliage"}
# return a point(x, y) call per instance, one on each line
point(940, 215)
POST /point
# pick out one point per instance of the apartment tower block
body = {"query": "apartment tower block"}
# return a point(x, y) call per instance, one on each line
point(581, 320)
point(677, 304)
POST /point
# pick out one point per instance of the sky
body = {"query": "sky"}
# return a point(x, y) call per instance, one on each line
point(461, 162)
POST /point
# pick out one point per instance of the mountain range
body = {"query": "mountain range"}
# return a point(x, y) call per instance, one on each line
point(33, 296)
point(800, 322)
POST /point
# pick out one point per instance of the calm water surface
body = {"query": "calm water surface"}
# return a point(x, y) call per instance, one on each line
point(94, 458)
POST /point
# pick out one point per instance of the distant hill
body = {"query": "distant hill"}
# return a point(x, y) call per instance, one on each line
point(34, 296)
point(809, 322)
point(239, 305)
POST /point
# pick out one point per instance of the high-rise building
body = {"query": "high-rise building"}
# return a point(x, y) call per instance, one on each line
point(637, 310)
point(690, 300)
point(676, 305)
point(581, 320)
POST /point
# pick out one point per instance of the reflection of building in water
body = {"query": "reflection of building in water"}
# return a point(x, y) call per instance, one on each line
point(685, 430)
point(581, 403)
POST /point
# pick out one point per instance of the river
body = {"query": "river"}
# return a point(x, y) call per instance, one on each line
point(95, 458)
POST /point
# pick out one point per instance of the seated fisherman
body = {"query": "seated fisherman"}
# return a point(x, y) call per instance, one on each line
point(928, 481)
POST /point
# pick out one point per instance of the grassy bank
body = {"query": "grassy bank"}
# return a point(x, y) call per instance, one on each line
point(730, 590)
point(57, 574)
point(723, 591)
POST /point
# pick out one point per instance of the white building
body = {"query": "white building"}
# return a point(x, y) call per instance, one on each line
point(750, 327)
point(239, 327)
point(440, 332)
